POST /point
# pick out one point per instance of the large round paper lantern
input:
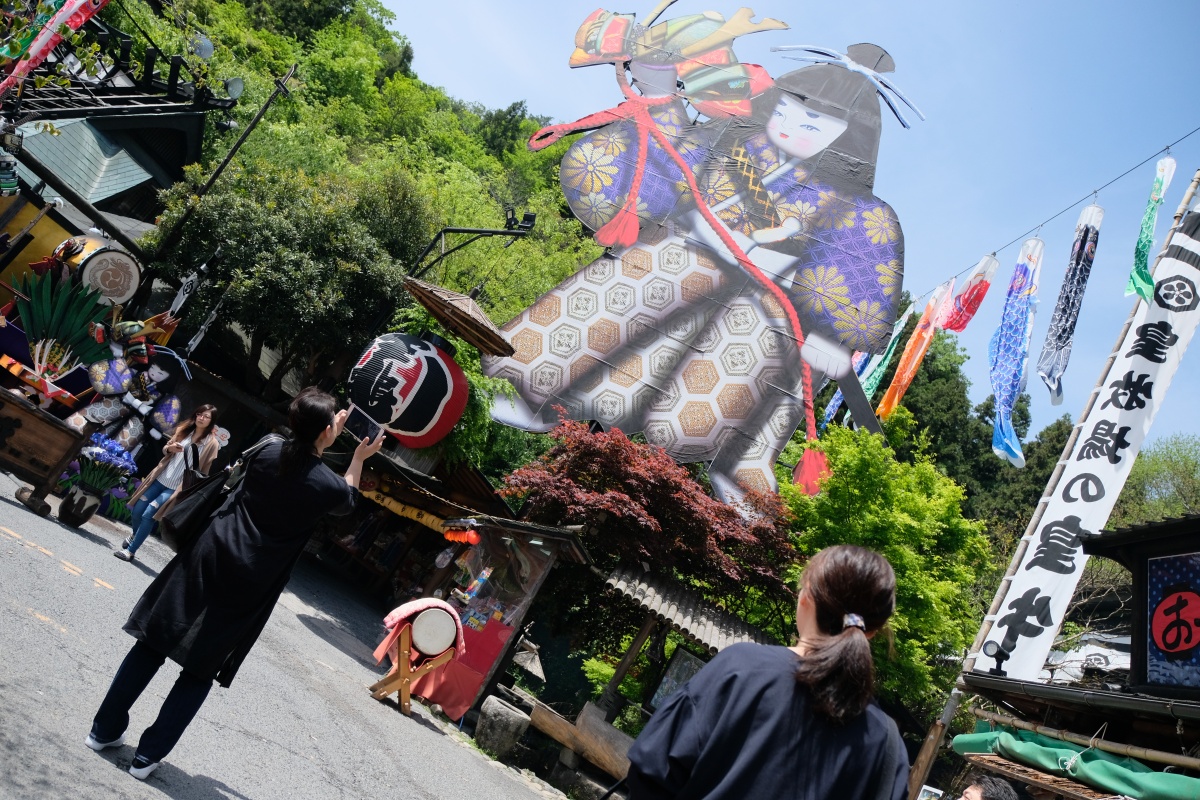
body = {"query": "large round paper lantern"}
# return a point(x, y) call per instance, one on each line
point(410, 386)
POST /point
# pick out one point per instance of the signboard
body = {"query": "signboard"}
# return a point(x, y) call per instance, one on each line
point(1111, 435)
point(1173, 621)
point(682, 667)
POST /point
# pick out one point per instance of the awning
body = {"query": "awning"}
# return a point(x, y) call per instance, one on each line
point(685, 610)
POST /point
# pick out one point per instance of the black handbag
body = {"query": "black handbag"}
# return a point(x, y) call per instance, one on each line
point(189, 515)
point(192, 474)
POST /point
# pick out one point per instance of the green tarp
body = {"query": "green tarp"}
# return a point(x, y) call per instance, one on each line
point(1095, 768)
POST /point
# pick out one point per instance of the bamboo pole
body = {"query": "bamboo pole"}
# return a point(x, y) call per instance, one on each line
point(937, 732)
point(1130, 750)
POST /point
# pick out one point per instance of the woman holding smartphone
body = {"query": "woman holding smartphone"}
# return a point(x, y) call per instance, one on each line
point(208, 606)
point(193, 446)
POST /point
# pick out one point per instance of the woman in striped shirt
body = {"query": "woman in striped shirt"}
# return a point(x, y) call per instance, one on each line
point(193, 446)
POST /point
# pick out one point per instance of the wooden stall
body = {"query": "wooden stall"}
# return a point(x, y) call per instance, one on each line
point(36, 447)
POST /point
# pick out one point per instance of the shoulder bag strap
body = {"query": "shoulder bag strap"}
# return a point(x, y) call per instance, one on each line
point(195, 457)
point(238, 470)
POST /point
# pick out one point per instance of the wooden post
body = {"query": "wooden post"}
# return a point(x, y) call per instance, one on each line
point(610, 699)
point(937, 732)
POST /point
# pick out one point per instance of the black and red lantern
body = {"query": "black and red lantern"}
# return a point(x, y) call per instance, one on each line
point(411, 386)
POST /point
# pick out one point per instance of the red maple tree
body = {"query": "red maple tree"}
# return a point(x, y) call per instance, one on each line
point(639, 506)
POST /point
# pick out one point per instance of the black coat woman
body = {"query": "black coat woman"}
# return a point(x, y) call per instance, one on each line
point(786, 722)
point(207, 608)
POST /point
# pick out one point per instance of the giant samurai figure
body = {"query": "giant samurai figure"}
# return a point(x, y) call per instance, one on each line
point(747, 255)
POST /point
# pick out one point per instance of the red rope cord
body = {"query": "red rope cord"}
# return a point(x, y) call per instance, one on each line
point(636, 108)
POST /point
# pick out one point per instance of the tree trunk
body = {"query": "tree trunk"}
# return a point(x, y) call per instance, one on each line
point(253, 377)
point(274, 388)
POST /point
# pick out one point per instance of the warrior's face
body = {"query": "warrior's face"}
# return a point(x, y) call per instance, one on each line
point(800, 131)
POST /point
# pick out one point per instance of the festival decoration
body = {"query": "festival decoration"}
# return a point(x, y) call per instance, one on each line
point(55, 315)
point(1056, 352)
point(69, 17)
point(918, 345)
point(861, 361)
point(877, 366)
point(1008, 350)
point(747, 250)
point(411, 386)
point(97, 265)
point(1111, 434)
point(1140, 280)
point(102, 465)
point(969, 298)
point(461, 315)
point(16, 46)
point(133, 386)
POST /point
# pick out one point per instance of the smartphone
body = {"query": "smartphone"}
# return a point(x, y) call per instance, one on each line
point(360, 425)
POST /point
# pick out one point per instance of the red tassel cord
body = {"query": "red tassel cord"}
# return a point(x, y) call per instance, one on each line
point(616, 232)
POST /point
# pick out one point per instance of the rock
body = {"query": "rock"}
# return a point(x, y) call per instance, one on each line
point(501, 725)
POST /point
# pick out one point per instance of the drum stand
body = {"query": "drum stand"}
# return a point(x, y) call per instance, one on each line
point(402, 674)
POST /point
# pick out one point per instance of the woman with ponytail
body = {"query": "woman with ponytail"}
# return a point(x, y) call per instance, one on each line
point(786, 722)
point(207, 607)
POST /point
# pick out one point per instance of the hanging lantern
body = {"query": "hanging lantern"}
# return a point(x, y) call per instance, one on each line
point(411, 386)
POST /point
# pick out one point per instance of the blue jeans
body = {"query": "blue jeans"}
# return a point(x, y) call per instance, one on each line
point(144, 510)
point(178, 710)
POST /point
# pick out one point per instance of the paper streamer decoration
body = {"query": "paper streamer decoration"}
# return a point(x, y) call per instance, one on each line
point(968, 299)
point(860, 362)
point(1008, 352)
point(1110, 437)
point(71, 15)
point(1140, 281)
point(1056, 352)
point(877, 366)
point(15, 47)
point(915, 350)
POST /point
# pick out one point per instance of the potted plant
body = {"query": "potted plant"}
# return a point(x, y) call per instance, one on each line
point(102, 465)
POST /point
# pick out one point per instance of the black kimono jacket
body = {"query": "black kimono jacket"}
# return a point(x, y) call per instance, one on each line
point(208, 606)
point(743, 728)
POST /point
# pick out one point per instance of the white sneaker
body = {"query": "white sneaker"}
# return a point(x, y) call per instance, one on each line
point(141, 768)
point(98, 745)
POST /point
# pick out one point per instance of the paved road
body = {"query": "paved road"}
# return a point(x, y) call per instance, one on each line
point(297, 722)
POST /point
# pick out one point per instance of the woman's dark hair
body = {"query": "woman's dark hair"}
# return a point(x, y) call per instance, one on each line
point(308, 416)
point(839, 672)
point(849, 162)
point(187, 427)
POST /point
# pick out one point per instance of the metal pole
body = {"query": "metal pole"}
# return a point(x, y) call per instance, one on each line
point(172, 237)
point(937, 732)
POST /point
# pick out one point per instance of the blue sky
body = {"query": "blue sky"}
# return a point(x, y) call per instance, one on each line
point(1030, 106)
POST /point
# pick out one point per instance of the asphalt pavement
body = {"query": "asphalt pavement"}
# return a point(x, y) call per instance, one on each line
point(298, 721)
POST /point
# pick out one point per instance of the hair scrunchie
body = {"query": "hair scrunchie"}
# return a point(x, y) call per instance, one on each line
point(854, 621)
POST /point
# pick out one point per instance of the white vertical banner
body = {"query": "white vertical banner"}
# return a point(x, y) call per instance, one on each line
point(1111, 436)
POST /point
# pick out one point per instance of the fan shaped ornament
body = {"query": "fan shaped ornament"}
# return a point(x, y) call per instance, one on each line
point(411, 386)
point(461, 315)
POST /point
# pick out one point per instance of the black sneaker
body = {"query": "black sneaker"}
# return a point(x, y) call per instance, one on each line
point(128, 543)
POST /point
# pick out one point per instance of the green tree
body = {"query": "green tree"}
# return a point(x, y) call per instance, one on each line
point(1164, 483)
point(303, 271)
point(911, 513)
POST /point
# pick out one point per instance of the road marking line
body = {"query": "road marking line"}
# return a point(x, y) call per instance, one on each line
point(44, 550)
point(10, 533)
point(102, 583)
point(71, 568)
point(44, 618)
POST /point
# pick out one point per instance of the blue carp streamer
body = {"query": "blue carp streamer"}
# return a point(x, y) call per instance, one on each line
point(1008, 351)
